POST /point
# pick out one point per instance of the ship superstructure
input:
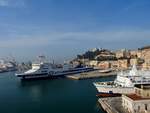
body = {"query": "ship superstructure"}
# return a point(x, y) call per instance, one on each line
point(124, 82)
point(43, 69)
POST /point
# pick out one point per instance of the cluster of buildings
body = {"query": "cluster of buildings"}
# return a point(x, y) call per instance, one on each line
point(138, 102)
point(118, 60)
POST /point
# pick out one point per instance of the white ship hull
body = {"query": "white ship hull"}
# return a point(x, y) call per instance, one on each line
point(53, 74)
point(124, 82)
point(44, 69)
point(113, 89)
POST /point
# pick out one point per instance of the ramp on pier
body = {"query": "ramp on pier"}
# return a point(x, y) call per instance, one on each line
point(112, 105)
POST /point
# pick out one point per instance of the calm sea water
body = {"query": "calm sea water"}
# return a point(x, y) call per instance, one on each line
point(48, 96)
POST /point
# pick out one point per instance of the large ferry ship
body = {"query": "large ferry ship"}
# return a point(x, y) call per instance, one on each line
point(44, 69)
point(124, 82)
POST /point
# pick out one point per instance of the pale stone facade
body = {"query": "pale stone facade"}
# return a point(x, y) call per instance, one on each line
point(136, 106)
point(135, 53)
point(133, 61)
point(146, 65)
point(143, 91)
point(145, 53)
point(104, 65)
point(105, 56)
point(93, 63)
point(146, 57)
point(114, 64)
point(138, 102)
point(123, 64)
point(75, 63)
point(118, 64)
point(85, 61)
point(122, 59)
point(122, 53)
point(139, 54)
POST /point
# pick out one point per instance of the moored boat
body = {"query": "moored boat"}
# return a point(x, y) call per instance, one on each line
point(124, 82)
point(44, 69)
point(111, 88)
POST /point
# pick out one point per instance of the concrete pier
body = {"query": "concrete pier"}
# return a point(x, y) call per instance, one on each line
point(92, 74)
point(112, 105)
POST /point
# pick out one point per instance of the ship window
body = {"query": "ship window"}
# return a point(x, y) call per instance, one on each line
point(145, 106)
point(45, 68)
point(134, 111)
point(139, 92)
point(44, 71)
point(138, 108)
point(136, 91)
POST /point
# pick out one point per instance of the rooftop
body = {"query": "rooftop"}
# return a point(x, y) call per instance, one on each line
point(136, 97)
point(143, 86)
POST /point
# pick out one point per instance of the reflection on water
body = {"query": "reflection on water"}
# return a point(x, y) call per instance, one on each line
point(35, 93)
point(36, 89)
point(51, 95)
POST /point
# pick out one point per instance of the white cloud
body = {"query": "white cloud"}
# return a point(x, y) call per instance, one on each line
point(12, 3)
point(105, 36)
point(4, 3)
point(66, 38)
point(24, 42)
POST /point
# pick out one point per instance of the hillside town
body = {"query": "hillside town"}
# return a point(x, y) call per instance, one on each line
point(118, 60)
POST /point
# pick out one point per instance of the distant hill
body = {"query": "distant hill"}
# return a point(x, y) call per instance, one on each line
point(98, 54)
point(145, 47)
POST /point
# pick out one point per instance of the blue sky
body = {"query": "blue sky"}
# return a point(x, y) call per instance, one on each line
point(61, 29)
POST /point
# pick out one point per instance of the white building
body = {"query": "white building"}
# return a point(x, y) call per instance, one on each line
point(94, 63)
point(139, 102)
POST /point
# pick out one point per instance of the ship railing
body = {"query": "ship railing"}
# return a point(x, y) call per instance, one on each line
point(142, 82)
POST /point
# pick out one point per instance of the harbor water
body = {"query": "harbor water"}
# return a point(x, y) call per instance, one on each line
point(48, 96)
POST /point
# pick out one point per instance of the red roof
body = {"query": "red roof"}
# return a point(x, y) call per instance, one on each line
point(136, 97)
